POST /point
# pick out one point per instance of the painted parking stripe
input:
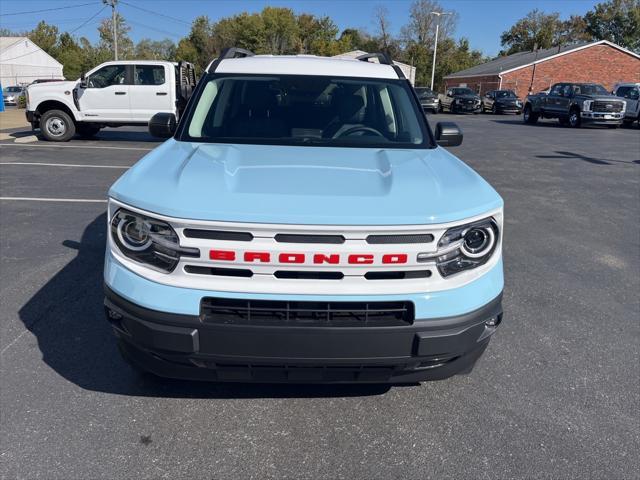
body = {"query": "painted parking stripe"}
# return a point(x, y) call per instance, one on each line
point(34, 199)
point(124, 167)
point(26, 145)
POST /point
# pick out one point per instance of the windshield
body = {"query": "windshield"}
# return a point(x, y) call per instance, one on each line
point(424, 92)
point(505, 94)
point(590, 89)
point(13, 89)
point(306, 110)
point(463, 91)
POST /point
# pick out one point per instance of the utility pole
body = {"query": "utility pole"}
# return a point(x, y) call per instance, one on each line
point(435, 46)
point(114, 25)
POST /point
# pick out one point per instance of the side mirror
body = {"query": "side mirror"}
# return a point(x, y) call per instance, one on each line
point(162, 125)
point(83, 81)
point(448, 134)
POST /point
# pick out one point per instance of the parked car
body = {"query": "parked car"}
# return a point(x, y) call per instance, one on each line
point(576, 103)
point(112, 94)
point(501, 101)
point(631, 94)
point(10, 95)
point(303, 224)
point(428, 99)
point(460, 100)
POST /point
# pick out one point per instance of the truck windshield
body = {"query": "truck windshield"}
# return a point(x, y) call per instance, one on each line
point(590, 89)
point(306, 110)
point(463, 91)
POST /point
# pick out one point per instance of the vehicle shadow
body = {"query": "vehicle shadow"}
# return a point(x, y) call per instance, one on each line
point(597, 161)
point(106, 135)
point(67, 318)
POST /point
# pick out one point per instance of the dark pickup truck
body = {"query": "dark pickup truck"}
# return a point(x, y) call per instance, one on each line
point(576, 103)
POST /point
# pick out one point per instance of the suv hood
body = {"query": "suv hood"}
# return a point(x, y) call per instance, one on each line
point(305, 185)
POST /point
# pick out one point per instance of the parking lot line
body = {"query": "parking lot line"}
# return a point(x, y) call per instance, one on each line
point(34, 199)
point(125, 167)
point(27, 145)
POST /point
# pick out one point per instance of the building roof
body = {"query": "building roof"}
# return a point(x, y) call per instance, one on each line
point(524, 59)
point(22, 49)
point(305, 65)
point(6, 42)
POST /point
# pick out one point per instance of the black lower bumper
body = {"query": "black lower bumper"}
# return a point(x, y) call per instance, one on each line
point(182, 346)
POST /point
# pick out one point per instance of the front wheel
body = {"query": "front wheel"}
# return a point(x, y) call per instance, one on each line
point(440, 108)
point(494, 109)
point(529, 116)
point(574, 118)
point(57, 126)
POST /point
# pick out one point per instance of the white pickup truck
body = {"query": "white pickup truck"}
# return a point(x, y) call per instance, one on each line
point(113, 94)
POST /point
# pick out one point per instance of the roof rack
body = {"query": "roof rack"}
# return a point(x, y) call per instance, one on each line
point(383, 59)
point(235, 52)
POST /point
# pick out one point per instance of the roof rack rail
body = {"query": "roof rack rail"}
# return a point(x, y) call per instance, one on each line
point(235, 52)
point(382, 57)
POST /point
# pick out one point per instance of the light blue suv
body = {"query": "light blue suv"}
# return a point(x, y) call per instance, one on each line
point(303, 224)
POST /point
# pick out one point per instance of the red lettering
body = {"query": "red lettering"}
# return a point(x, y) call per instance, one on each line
point(225, 255)
point(264, 257)
point(291, 258)
point(394, 258)
point(320, 258)
point(361, 259)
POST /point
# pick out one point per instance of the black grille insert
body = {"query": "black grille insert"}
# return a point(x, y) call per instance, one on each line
point(295, 238)
point(304, 275)
point(217, 235)
point(314, 314)
point(409, 238)
point(401, 275)
point(220, 272)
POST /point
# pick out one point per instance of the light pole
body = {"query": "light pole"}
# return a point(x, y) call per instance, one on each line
point(435, 46)
point(114, 26)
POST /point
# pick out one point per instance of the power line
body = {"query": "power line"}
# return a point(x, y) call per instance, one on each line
point(155, 13)
point(72, 31)
point(47, 9)
point(166, 32)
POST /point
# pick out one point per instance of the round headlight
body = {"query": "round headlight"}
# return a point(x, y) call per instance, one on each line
point(133, 232)
point(477, 242)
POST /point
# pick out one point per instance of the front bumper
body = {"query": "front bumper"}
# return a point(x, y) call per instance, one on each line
point(183, 346)
point(466, 108)
point(430, 105)
point(509, 108)
point(599, 118)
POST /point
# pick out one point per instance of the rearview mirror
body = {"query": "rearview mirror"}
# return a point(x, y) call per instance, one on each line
point(448, 134)
point(162, 125)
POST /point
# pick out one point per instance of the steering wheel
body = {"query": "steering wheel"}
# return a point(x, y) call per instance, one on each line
point(357, 128)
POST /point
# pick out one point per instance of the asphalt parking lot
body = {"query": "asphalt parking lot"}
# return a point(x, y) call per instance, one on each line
point(556, 395)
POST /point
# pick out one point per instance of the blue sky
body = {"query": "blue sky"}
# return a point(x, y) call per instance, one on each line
point(481, 21)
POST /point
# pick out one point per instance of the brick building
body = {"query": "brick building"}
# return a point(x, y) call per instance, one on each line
point(601, 62)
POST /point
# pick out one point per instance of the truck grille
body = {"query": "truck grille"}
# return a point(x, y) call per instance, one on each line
point(227, 311)
point(613, 106)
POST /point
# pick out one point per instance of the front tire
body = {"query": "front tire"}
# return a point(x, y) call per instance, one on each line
point(574, 118)
point(529, 116)
point(57, 126)
point(494, 109)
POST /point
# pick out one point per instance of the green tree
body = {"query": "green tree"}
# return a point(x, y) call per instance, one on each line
point(316, 35)
point(280, 30)
point(536, 30)
point(70, 55)
point(44, 36)
point(147, 49)
point(125, 44)
point(617, 21)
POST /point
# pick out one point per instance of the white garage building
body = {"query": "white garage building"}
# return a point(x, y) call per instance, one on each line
point(22, 62)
